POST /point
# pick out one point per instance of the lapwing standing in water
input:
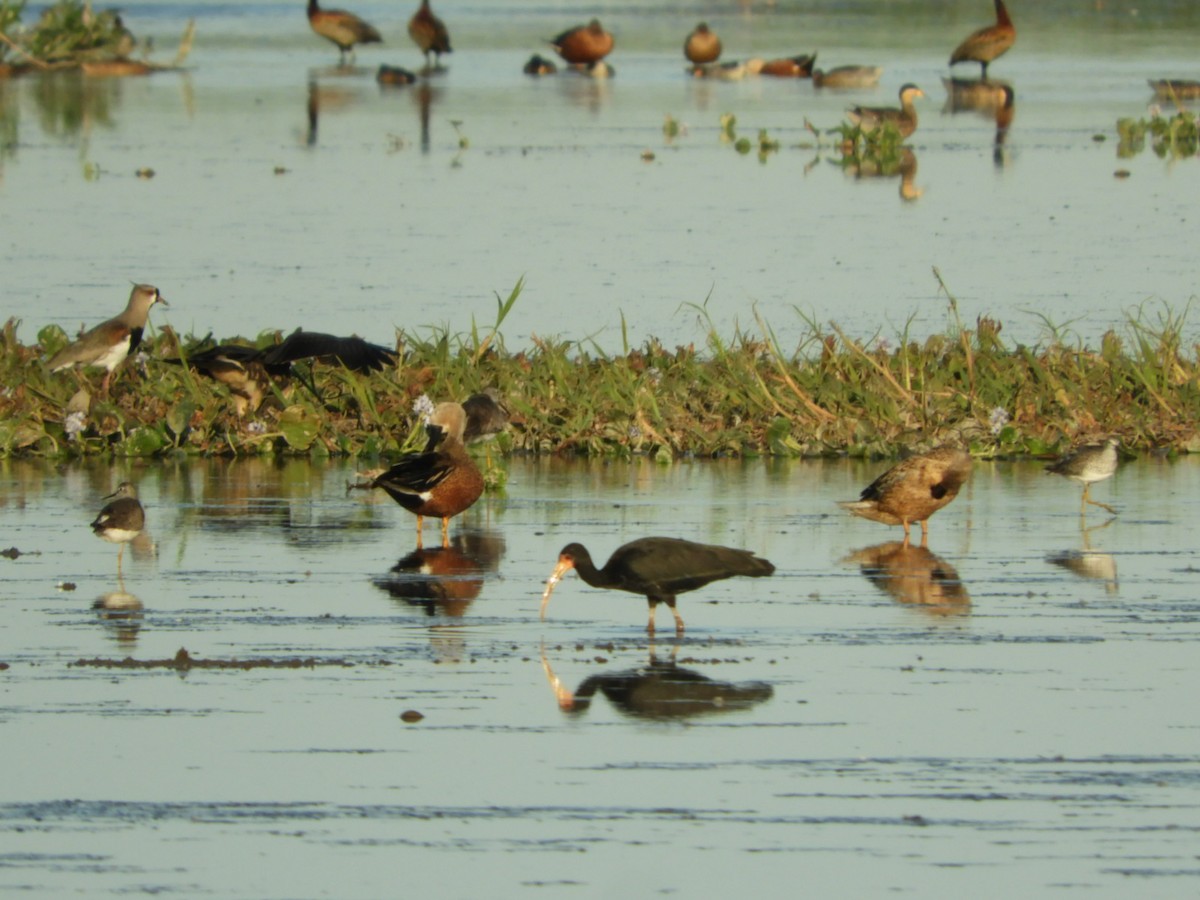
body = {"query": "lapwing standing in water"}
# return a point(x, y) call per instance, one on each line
point(1088, 464)
point(121, 520)
point(914, 489)
point(110, 342)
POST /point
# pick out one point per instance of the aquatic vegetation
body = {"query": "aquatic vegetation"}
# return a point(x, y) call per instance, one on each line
point(740, 395)
point(1176, 137)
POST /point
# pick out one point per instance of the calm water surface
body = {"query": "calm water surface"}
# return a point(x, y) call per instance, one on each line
point(378, 218)
point(1010, 711)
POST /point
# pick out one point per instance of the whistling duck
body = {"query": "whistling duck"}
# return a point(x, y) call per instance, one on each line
point(870, 118)
point(442, 480)
point(429, 33)
point(539, 65)
point(110, 342)
point(584, 44)
point(987, 43)
point(702, 45)
point(342, 28)
point(914, 489)
point(395, 75)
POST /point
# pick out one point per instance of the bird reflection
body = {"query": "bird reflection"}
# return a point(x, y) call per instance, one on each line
point(445, 581)
point(914, 575)
point(659, 690)
point(121, 613)
point(871, 165)
point(993, 100)
point(1088, 563)
point(326, 99)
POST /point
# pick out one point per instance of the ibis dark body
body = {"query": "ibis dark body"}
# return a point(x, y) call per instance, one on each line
point(661, 568)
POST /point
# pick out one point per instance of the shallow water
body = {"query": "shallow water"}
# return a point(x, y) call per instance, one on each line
point(375, 217)
point(1012, 708)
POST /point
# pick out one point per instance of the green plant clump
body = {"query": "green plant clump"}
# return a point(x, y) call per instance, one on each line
point(1176, 137)
point(744, 395)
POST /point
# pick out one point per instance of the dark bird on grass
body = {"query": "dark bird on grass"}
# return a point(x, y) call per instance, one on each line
point(871, 118)
point(121, 520)
point(987, 43)
point(429, 33)
point(843, 77)
point(441, 480)
point(584, 44)
point(247, 371)
point(487, 416)
point(344, 29)
point(702, 45)
point(914, 489)
point(1088, 464)
point(787, 67)
point(110, 342)
point(660, 568)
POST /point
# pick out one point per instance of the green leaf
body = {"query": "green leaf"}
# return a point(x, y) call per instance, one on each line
point(299, 427)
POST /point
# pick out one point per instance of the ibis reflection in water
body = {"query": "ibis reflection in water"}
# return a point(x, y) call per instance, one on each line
point(659, 690)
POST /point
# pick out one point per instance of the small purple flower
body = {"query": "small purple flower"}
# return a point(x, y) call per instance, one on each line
point(998, 419)
point(73, 424)
point(256, 427)
point(634, 432)
point(423, 407)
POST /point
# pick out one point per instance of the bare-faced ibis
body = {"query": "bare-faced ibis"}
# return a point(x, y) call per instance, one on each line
point(342, 28)
point(1088, 464)
point(121, 520)
point(247, 370)
point(110, 342)
point(584, 44)
point(987, 43)
point(702, 46)
point(871, 118)
point(914, 489)
point(442, 480)
point(429, 33)
point(659, 568)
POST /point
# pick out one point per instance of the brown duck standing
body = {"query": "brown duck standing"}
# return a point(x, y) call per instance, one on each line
point(914, 489)
point(110, 342)
point(870, 118)
point(344, 29)
point(441, 480)
point(987, 43)
point(702, 45)
point(584, 44)
point(429, 33)
point(659, 568)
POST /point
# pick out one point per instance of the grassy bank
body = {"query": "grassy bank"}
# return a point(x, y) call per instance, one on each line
point(741, 394)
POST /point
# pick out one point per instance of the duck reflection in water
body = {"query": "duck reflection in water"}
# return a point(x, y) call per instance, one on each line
point(659, 690)
point(445, 581)
point(325, 100)
point(902, 165)
point(914, 575)
point(122, 613)
point(1087, 563)
point(993, 100)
